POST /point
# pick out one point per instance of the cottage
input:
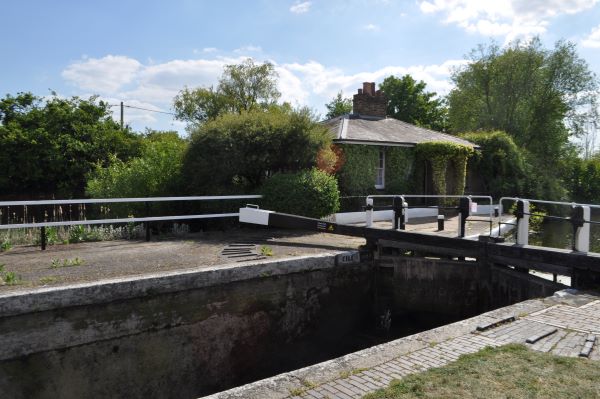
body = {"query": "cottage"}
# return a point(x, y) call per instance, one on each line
point(391, 156)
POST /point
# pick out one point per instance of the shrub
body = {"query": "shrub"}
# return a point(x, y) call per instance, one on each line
point(311, 193)
point(500, 163)
point(236, 152)
point(156, 173)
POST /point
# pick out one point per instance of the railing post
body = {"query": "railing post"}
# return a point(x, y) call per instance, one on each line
point(464, 210)
point(43, 229)
point(400, 206)
point(147, 205)
point(522, 215)
point(369, 212)
point(43, 237)
point(580, 217)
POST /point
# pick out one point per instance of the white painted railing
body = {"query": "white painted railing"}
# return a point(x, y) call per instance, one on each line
point(43, 224)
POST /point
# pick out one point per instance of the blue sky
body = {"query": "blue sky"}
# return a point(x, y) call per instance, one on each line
point(144, 52)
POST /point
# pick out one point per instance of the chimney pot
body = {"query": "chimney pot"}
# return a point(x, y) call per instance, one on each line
point(359, 91)
point(367, 88)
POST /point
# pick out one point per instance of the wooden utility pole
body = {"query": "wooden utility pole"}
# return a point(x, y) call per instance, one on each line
point(121, 115)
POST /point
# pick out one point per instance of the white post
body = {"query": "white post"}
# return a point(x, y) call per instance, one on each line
point(582, 234)
point(523, 224)
point(369, 212)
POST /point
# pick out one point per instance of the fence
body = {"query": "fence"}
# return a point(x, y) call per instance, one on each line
point(401, 206)
point(147, 219)
point(580, 218)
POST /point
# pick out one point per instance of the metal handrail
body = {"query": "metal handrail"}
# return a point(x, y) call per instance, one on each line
point(42, 225)
point(370, 198)
point(122, 200)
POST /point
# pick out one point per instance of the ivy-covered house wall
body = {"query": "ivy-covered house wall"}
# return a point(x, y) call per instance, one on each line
point(427, 168)
point(358, 171)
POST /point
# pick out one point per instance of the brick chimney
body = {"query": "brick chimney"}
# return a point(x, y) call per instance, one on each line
point(369, 102)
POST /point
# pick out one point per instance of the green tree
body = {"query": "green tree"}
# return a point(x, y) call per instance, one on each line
point(338, 106)
point(236, 152)
point(49, 146)
point(499, 163)
point(155, 173)
point(242, 87)
point(408, 101)
point(538, 96)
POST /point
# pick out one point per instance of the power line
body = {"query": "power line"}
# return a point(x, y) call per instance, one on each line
point(143, 109)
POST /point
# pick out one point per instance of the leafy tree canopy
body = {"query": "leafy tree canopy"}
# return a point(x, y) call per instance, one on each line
point(49, 146)
point(154, 173)
point(540, 97)
point(243, 87)
point(408, 101)
point(338, 106)
point(236, 152)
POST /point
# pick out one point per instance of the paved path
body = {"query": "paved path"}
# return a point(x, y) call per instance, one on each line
point(572, 320)
point(569, 328)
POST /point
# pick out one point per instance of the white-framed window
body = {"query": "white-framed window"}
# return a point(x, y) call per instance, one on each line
point(380, 171)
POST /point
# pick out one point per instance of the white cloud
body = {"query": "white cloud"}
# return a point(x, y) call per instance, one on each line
point(209, 49)
point(371, 27)
point(593, 39)
point(508, 18)
point(301, 8)
point(153, 86)
point(102, 75)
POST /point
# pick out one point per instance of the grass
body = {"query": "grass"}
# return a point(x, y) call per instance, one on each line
point(48, 280)
point(56, 263)
point(265, 250)
point(5, 245)
point(8, 278)
point(510, 371)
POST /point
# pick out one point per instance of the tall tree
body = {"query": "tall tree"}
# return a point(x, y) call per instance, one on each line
point(537, 96)
point(541, 97)
point(49, 146)
point(242, 87)
point(338, 106)
point(408, 101)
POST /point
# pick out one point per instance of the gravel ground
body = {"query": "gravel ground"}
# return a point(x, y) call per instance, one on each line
point(94, 261)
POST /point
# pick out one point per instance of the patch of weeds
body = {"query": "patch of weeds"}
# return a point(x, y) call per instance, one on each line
point(56, 263)
point(5, 245)
point(8, 278)
point(265, 250)
point(308, 384)
point(77, 234)
point(346, 374)
point(297, 391)
point(48, 280)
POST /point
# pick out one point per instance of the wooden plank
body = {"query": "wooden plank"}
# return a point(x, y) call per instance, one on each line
point(427, 248)
point(540, 266)
point(546, 256)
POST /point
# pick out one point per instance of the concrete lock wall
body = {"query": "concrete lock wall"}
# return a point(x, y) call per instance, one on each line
point(451, 290)
point(177, 335)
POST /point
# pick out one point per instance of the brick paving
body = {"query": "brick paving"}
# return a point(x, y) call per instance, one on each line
point(568, 326)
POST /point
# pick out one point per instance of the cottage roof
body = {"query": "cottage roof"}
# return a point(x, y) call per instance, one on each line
point(360, 129)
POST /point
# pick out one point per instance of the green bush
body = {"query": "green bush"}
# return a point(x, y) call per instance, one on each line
point(156, 173)
point(311, 193)
point(236, 152)
point(499, 162)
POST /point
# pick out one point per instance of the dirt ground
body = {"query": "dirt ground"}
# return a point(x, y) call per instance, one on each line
point(94, 261)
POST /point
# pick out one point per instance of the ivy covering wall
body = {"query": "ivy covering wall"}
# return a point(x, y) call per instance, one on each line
point(357, 175)
point(444, 156)
point(399, 170)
